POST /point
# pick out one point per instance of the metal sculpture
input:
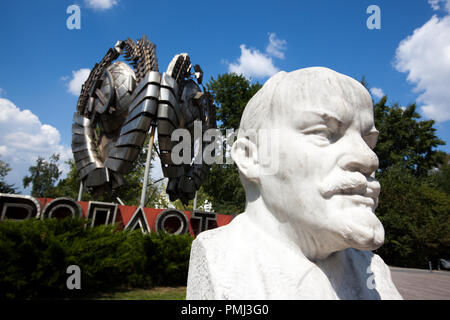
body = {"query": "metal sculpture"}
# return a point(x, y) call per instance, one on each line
point(182, 102)
point(117, 107)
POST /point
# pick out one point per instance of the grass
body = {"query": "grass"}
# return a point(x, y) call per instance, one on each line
point(159, 293)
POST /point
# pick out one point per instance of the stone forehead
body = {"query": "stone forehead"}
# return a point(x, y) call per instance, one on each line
point(286, 94)
point(319, 87)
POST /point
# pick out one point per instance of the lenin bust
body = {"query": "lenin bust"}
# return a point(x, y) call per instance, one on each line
point(309, 225)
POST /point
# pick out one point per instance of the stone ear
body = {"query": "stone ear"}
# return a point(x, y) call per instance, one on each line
point(245, 155)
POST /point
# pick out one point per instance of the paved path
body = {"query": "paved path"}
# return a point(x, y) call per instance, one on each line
point(417, 284)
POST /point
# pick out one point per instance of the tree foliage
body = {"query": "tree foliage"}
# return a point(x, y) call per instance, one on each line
point(35, 255)
point(69, 186)
point(231, 93)
point(440, 178)
point(5, 187)
point(224, 187)
point(202, 200)
point(43, 177)
point(415, 214)
point(405, 140)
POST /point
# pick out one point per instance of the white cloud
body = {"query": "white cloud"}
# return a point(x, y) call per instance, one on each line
point(425, 57)
point(2, 92)
point(377, 92)
point(253, 63)
point(23, 138)
point(276, 46)
point(100, 4)
point(78, 78)
point(435, 4)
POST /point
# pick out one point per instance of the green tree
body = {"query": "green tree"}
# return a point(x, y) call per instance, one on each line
point(156, 195)
point(69, 186)
point(415, 215)
point(440, 178)
point(202, 197)
point(231, 94)
point(224, 188)
point(43, 176)
point(4, 187)
point(405, 140)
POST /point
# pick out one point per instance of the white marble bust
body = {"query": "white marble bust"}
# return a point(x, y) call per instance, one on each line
point(308, 227)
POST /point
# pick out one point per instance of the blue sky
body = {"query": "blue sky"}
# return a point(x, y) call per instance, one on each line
point(42, 61)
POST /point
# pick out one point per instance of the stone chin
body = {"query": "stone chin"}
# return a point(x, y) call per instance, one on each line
point(368, 235)
point(359, 228)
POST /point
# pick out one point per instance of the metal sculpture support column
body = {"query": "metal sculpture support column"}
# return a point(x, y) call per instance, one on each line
point(195, 201)
point(80, 191)
point(147, 167)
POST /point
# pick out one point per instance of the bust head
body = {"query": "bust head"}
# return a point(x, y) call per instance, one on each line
point(323, 195)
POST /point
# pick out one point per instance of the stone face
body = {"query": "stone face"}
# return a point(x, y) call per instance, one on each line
point(309, 224)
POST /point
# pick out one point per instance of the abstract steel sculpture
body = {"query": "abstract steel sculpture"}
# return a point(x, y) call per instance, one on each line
point(118, 106)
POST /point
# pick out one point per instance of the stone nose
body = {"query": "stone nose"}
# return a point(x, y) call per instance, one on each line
point(359, 157)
